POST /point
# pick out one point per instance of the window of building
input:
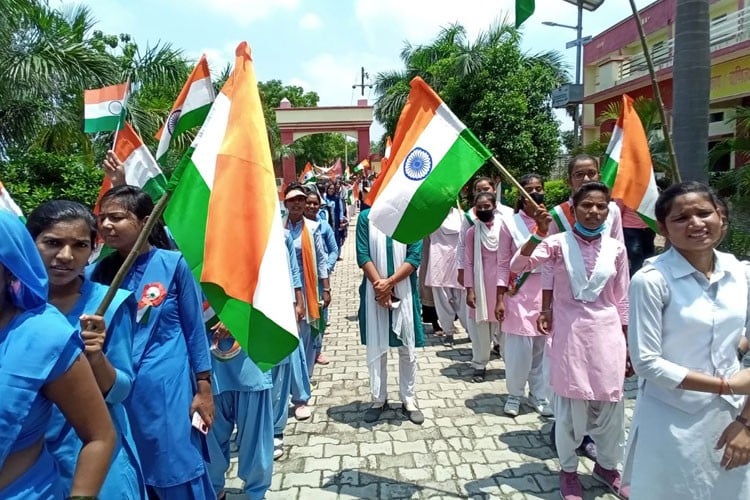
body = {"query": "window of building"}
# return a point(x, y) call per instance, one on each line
point(659, 53)
point(716, 117)
point(722, 30)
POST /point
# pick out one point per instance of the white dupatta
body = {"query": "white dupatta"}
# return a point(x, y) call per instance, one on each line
point(587, 289)
point(487, 237)
point(377, 319)
point(520, 234)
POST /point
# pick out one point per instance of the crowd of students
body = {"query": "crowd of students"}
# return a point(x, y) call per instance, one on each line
point(144, 401)
point(551, 289)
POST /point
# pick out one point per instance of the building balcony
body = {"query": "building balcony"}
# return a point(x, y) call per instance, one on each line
point(727, 31)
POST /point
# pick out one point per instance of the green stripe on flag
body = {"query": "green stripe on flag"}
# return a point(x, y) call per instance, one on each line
point(436, 195)
point(609, 172)
point(191, 119)
point(155, 187)
point(524, 10)
point(103, 124)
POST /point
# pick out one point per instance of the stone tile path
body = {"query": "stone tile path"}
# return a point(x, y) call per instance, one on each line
point(467, 447)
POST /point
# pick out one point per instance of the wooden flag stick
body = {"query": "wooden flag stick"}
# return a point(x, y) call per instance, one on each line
point(130, 259)
point(122, 113)
point(521, 190)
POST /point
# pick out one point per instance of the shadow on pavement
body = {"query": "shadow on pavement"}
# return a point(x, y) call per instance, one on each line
point(528, 478)
point(530, 442)
point(359, 484)
point(352, 414)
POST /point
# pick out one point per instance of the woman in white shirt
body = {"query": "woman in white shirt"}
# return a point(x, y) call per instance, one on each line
point(690, 436)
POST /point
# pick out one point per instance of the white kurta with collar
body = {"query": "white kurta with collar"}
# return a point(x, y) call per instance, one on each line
point(681, 321)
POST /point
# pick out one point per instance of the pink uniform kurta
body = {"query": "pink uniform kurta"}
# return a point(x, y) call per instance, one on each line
point(587, 356)
point(442, 271)
point(521, 309)
point(489, 268)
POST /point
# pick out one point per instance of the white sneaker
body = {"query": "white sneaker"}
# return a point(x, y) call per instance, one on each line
point(541, 406)
point(278, 448)
point(512, 406)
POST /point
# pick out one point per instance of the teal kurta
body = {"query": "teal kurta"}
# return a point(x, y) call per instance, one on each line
point(413, 257)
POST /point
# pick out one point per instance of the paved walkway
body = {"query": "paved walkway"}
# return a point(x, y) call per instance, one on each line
point(467, 447)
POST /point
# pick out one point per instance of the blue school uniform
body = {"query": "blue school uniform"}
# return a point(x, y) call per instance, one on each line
point(281, 374)
point(169, 348)
point(36, 348)
point(242, 396)
point(124, 479)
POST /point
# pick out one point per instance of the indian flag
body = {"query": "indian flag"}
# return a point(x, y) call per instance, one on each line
point(388, 147)
point(141, 169)
point(433, 156)
point(627, 167)
point(7, 203)
point(225, 216)
point(190, 108)
point(361, 166)
point(524, 10)
point(104, 109)
point(308, 174)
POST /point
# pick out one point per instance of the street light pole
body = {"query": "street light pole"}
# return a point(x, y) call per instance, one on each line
point(579, 54)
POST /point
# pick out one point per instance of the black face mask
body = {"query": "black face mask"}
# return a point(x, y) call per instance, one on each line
point(537, 197)
point(485, 215)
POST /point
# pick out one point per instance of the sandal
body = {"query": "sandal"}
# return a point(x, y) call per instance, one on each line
point(479, 375)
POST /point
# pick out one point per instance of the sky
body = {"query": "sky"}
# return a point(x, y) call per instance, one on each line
point(321, 45)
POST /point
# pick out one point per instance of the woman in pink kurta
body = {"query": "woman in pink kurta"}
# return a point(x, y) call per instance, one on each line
point(480, 280)
point(585, 283)
point(519, 298)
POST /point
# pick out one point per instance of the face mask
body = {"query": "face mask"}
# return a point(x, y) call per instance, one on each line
point(589, 233)
point(485, 215)
point(537, 197)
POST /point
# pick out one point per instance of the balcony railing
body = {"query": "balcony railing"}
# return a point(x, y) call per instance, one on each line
point(725, 31)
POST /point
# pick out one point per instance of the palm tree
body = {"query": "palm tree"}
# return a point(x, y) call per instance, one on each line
point(692, 87)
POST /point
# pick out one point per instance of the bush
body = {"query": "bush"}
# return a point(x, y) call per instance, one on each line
point(34, 177)
point(555, 192)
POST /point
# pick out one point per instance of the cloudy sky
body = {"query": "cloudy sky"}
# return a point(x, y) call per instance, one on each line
point(322, 44)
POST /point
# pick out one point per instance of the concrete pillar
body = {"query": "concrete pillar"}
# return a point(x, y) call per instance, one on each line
point(288, 169)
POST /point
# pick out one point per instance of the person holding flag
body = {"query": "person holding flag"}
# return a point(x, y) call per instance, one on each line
point(172, 386)
point(585, 311)
point(518, 300)
point(65, 235)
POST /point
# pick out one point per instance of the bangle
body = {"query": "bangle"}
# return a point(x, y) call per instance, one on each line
point(722, 386)
point(545, 311)
point(327, 290)
point(205, 378)
point(535, 238)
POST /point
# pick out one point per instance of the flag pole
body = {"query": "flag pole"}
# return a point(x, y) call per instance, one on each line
point(509, 176)
point(657, 95)
point(122, 112)
point(142, 239)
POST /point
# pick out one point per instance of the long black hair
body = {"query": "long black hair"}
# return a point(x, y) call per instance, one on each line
point(50, 213)
point(138, 202)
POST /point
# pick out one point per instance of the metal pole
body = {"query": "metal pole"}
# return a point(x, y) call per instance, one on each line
point(579, 50)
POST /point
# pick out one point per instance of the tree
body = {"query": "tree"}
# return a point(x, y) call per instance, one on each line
point(500, 93)
point(692, 87)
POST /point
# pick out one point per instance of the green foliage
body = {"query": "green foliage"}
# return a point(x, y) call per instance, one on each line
point(500, 93)
point(34, 177)
point(555, 192)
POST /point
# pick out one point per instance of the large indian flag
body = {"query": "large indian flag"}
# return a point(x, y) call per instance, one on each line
point(104, 108)
point(307, 176)
point(190, 109)
point(225, 216)
point(141, 169)
point(627, 167)
point(7, 203)
point(433, 155)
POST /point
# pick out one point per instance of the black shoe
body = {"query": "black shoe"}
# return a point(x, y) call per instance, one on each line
point(588, 448)
point(373, 414)
point(479, 375)
point(552, 437)
point(496, 350)
point(416, 416)
point(448, 341)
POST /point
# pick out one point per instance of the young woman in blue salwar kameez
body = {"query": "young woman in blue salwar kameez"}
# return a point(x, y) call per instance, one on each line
point(170, 350)
point(41, 364)
point(65, 234)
